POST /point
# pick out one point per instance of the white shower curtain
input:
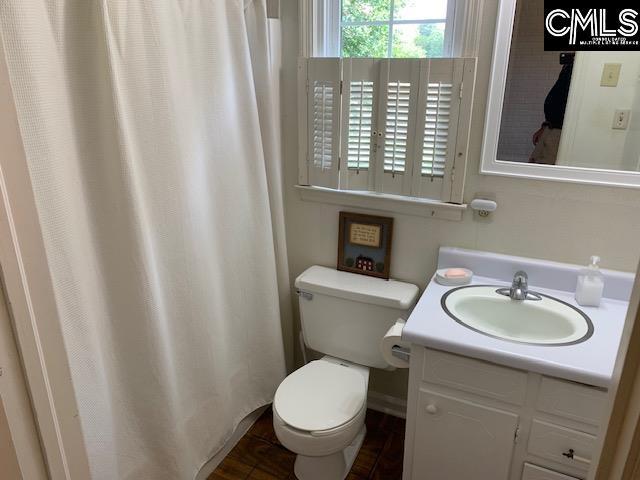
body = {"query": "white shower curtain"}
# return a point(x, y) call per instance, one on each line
point(152, 147)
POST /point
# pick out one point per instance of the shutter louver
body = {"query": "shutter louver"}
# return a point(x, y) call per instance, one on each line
point(322, 91)
point(360, 125)
point(436, 129)
point(396, 127)
point(323, 113)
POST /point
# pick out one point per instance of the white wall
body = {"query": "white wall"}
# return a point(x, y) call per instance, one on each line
point(631, 155)
point(532, 72)
point(588, 139)
point(550, 220)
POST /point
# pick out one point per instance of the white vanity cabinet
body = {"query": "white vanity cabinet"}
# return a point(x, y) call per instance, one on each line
point(468, 418)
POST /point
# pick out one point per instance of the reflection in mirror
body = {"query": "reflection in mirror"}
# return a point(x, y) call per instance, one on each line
point(568, 109)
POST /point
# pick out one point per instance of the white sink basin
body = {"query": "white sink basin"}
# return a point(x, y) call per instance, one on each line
point(542, 322)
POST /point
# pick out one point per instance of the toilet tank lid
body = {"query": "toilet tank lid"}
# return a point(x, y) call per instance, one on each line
point(359, 288)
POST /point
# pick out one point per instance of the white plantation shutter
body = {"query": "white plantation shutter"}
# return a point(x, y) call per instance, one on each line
point(399, 84)
point(323, 94)
point(359, 107)
point(441, 97)
point(393, 126)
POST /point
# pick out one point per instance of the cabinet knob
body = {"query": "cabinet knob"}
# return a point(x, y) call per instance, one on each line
point(432, 409)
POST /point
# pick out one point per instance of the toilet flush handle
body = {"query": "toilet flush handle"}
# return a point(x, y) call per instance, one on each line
point(305, 295)
point(432, 409)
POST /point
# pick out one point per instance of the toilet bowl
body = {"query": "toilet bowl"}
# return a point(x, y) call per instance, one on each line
point(319, 410)
point(318, 413)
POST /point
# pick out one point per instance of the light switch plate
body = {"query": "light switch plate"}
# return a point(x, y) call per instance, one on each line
point(610, 74)
point(621, 119)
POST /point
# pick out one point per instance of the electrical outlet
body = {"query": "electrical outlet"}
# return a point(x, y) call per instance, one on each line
point(610, 74)
point(621, 119)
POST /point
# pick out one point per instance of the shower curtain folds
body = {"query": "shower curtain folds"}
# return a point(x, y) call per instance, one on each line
point(155, 164)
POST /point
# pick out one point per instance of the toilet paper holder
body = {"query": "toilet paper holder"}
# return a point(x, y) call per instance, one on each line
point(402, 353)
point(394, 350)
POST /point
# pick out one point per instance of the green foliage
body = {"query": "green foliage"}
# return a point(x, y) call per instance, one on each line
point(430, 40)
point(402, 47)
point(365, 41)
point(373, 40)
point(366, 10)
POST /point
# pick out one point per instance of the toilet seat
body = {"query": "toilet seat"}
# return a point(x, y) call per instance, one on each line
point(319, 443)
point(321, 396)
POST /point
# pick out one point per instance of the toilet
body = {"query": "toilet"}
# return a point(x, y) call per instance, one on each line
point(319, 410)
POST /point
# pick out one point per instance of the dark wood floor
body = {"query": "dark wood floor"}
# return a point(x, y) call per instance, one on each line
point(259, 456)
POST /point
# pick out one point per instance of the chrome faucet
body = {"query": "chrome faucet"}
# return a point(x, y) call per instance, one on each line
point(519, 288)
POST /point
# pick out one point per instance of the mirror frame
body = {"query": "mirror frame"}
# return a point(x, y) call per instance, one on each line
point(489, 163)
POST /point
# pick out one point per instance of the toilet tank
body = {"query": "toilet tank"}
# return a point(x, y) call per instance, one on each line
point(345, 315)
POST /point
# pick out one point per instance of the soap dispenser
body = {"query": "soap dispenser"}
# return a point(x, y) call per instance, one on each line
point(590, 284)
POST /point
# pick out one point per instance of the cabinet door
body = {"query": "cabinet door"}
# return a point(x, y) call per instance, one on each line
point(459, 439)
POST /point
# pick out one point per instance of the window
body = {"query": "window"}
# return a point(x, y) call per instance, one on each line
point(390, 126)
point(384, 28)
point(384, 108)
point(395, 28)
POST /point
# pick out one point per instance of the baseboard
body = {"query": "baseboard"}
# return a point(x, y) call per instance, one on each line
point(242, 428)
point(387, 404)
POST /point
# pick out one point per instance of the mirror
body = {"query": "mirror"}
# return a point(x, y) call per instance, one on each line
point(560, 115)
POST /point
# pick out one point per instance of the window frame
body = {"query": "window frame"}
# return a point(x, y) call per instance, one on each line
point(336, 25)
point(321, 33)
point(319, 27)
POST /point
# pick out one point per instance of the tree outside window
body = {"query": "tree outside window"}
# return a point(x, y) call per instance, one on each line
point(393, 28)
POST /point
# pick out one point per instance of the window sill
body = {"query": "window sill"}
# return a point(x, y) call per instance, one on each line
point(422, 207)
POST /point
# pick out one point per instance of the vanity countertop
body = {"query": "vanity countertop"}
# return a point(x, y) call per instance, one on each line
point(590, 362)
